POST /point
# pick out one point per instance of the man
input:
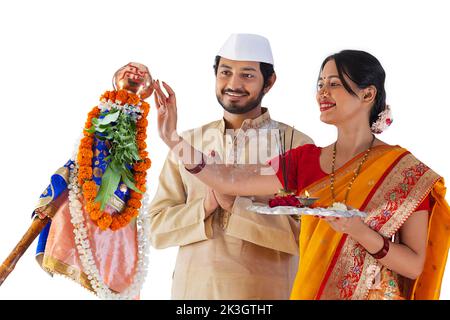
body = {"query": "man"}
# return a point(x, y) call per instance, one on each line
point(226, 251)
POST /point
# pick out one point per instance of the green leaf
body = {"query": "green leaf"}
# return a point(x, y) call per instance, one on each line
point(126, 153)
point(130, 184)
point(100, 129)
point(128, 173)
point(120, 130)
point(101, 137)
point(90, 130)
point(123, 131)
point(116, 167)
point(136, 155)
point(110, 117)
point(110, 181)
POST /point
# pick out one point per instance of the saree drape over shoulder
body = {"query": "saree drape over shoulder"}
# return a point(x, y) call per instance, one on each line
point(390, 187)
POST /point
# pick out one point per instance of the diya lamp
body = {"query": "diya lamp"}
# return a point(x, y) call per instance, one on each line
point(306, 200)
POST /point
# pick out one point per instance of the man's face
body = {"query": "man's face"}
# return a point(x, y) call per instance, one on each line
point(239, 85)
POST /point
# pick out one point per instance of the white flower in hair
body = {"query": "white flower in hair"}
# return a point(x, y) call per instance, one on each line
point(383, 122)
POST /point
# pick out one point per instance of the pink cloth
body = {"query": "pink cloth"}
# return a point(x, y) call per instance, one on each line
point(115, 252)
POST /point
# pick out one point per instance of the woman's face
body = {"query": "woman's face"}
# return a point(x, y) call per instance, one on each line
point(337, 105)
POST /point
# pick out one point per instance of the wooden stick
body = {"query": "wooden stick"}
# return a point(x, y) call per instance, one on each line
point(290, 156)
point(280, 152)
point(33, 231)
point(285, 176)
point(292, 137)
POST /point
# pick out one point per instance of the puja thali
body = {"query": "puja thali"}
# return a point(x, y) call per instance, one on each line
point(334, 211)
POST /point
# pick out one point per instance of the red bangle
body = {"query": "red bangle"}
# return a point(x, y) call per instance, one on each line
point(384, 251)
point(198, 167)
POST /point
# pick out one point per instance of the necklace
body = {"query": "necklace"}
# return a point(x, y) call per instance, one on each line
point(340, 205)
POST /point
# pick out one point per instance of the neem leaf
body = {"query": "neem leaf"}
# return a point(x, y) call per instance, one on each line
point(110, 117)
point(90, 130)
point(130, 184)
point(101, 138)
point(100, 129)
point(110, 181)
point(135, 154)
point(128, 173)
point(104, 126)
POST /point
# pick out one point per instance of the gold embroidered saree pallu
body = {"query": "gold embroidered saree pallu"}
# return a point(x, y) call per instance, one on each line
point(391, 185)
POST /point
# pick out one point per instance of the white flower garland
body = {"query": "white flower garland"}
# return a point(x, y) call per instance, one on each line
point(84, 249)
point(134, 111)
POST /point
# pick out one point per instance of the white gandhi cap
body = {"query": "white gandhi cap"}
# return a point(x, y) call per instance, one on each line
point(247, 47)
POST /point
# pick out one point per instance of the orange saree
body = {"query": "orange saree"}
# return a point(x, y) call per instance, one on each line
point(390, 187)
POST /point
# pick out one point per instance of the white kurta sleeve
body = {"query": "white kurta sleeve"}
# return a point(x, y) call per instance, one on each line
point(175, 218)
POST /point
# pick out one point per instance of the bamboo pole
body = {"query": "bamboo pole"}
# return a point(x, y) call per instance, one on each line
point(33, 231)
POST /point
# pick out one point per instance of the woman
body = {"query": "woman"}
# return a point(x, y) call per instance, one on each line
point(348, 258)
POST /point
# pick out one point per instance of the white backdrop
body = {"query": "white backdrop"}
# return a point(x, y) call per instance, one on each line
point(57, 57)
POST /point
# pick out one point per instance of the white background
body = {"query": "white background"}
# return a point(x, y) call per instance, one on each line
point(57, 57)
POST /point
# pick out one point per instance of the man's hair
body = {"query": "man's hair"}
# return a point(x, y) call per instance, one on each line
point(266, 70)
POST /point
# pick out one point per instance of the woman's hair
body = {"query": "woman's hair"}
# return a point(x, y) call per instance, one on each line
point(266, 69)
point(364, 70)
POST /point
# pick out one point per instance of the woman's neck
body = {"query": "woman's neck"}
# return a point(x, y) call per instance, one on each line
point(353, 140)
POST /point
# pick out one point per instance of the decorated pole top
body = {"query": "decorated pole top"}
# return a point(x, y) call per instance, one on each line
point(136, 78)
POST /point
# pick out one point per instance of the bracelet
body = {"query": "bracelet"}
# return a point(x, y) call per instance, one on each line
point(383, 252)
point(198, 167)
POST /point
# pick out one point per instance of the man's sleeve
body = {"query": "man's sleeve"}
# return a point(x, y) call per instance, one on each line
point(175, 218)
point(274, 232)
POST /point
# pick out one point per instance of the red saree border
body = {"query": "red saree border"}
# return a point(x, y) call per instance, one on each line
point(363, 206)
point(331, 267)
point(388, 220)
point(381, 180)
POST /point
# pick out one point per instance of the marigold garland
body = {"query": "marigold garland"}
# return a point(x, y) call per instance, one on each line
point(104, 220)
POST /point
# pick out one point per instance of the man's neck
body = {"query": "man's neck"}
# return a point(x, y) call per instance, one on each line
point(234, 121)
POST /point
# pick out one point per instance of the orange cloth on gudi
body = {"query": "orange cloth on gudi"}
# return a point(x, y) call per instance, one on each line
point(390, 187)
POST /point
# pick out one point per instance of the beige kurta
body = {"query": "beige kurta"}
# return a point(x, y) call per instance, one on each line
point(230, 255)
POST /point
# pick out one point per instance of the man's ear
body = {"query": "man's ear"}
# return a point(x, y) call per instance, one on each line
point(270, 82)
point(369, 94)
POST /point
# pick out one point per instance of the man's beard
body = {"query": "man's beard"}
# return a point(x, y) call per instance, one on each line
point(234, 109)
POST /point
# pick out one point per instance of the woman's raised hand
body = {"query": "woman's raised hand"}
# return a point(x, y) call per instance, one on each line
point(167, 114)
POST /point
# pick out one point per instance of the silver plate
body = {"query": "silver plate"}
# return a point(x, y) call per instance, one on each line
point(324, 212)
